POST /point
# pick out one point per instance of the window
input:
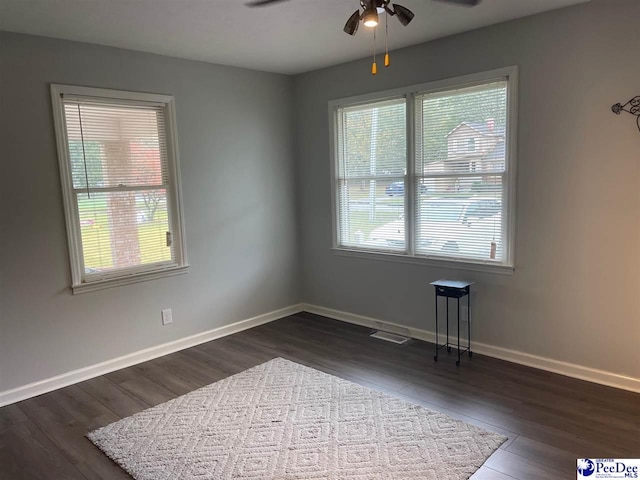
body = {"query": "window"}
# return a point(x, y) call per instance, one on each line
point(120, 180)
point(371, 171)
point(427, 173)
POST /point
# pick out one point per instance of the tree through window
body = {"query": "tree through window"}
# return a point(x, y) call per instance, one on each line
point(121, 195)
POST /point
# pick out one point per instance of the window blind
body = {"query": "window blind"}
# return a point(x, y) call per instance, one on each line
point(371, 170)
point(444, 196)
point(120, 181)
point(460, 166)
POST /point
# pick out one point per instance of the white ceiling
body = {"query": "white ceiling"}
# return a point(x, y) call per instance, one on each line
point(290, 37)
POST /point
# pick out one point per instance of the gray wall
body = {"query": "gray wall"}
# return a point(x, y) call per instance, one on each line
point(574, 294)
point(236, 151)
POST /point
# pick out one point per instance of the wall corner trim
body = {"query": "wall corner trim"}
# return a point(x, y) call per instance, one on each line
point(69, 378)
point(580, 372)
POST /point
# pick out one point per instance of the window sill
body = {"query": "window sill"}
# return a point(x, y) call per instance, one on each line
point(126, 280)
point(468, 265)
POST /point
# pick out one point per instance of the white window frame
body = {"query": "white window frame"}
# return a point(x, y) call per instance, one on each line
point(72, 218)
point(510, 74)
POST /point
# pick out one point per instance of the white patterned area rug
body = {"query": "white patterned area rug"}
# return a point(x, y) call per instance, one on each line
point(284, 421)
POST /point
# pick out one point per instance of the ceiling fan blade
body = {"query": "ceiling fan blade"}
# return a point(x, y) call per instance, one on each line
point(465, 3)
point(262, 3)
point(403, 13)
point(351, 27)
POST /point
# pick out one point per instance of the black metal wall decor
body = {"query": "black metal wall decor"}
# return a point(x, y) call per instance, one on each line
point(632, 107)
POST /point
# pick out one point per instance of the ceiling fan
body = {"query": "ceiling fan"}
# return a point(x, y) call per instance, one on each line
point(369, 16)
point(371, 9)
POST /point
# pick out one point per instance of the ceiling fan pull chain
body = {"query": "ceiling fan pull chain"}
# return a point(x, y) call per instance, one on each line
point(374, 66)
point(387, 60)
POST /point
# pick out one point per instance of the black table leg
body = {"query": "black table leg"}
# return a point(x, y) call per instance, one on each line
point(469, 321)
point(458, 362)
point(435, 357)
point(448, 347)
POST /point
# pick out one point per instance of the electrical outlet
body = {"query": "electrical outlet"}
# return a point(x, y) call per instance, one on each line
point(167, 319)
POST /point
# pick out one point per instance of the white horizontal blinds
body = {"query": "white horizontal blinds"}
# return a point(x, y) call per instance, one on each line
point(371, 169)
point(460, 173)
point(119, 169)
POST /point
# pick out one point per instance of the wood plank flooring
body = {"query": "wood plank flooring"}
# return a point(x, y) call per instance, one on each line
point(550, 420)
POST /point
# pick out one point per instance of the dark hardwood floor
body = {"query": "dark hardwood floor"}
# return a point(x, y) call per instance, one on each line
point(550, 420)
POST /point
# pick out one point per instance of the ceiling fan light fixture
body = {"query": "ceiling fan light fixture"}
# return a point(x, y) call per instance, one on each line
point(351, 27)
point(370, 16)
point(403, 13)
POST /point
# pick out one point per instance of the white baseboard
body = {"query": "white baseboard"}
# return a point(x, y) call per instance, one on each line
point(563, 368)
point(47, 385)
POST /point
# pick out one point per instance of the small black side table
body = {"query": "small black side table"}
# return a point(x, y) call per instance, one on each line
point(454, 289)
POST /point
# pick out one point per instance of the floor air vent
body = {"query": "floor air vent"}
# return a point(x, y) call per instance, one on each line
point(390, 337)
